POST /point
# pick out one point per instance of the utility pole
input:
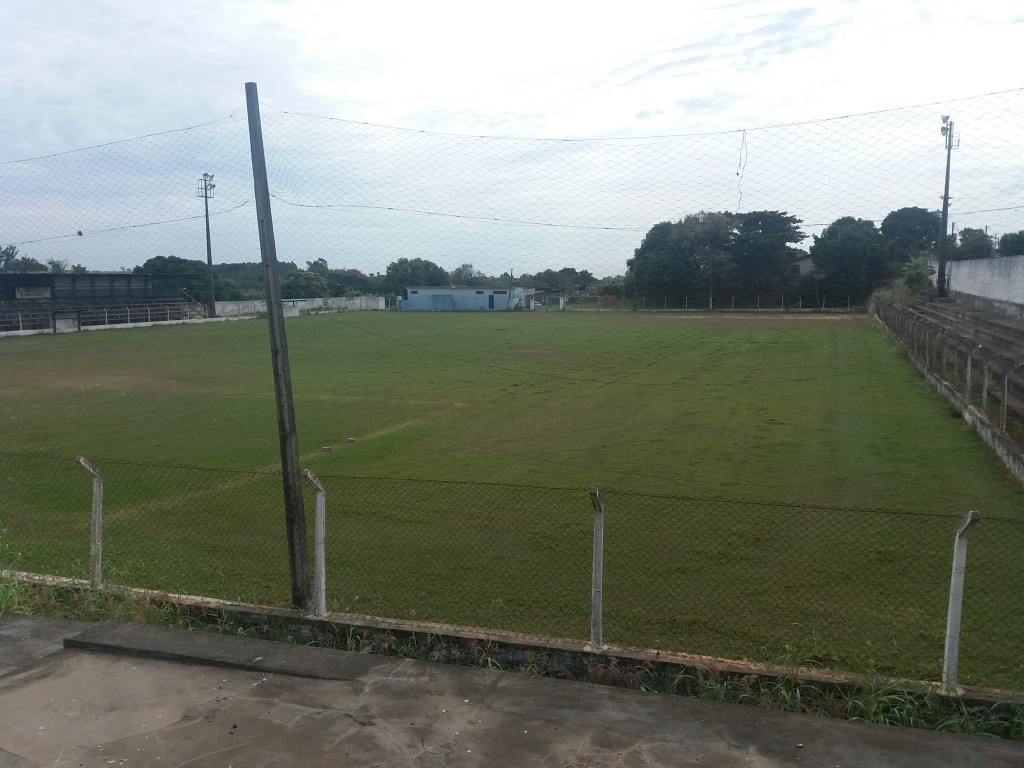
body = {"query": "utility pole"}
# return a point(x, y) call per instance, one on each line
point(295, 516)
point(947, 132)
point(205, 191)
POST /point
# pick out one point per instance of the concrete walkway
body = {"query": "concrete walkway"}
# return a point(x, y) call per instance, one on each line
point(128, 695)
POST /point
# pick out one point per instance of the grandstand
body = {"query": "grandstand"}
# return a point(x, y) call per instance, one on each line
point(40, 302)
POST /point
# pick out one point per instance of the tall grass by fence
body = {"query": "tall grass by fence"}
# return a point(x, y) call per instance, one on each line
point(852, 589)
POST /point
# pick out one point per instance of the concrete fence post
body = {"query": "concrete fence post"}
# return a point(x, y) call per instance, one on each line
point(967, 381)
point(1006, 396)
point(984, 388)
point(319, 535)
point(956, 597)
point(597, 572)
point(96, 529)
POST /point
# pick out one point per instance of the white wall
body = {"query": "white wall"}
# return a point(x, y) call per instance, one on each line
point(999, 281)
point(293, 306)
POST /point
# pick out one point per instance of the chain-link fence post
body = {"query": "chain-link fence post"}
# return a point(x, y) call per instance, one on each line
point(319, 535)
point(1006, 397)
point(96, 530)
point(956, 598)
point(984, 384)
point(598, 570)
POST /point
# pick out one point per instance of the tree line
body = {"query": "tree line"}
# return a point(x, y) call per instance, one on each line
point(744, 256)
point(244, 281)
point(705, 255)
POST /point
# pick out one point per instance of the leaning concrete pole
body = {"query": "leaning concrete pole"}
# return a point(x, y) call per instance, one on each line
point(295, 516)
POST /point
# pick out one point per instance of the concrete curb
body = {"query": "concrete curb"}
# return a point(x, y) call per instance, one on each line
point(216, 650)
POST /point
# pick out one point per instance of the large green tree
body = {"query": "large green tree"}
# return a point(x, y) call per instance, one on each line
point(1012, 244)
point(352, 282)
point(466, 275)
point(304, 285)
point(565, 280)
point(763, 248)
point(25, 264)
point(726, 255)
point(319, 266)
point(175, 275)
point(973, 243)
point(248, 276)
point(663, 265)
point(10, 261)
point(850, 259)
point(405, 272)
point(227, 290)
point(909, 231)
point(7, 254)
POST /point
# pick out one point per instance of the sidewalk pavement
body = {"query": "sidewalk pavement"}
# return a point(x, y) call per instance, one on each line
point(111, 694)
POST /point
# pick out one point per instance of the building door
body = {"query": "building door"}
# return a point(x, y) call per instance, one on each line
point(490, 301)
point(442, 302)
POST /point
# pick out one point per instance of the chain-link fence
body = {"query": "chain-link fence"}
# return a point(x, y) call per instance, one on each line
point(862, 590)
point(560, 216)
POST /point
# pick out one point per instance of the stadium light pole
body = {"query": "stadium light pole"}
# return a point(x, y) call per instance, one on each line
point(205, 191)
point(947, 132)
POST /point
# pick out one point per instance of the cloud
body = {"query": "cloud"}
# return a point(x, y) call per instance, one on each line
point(77, 74)
point(716, 102)
point(740, 46)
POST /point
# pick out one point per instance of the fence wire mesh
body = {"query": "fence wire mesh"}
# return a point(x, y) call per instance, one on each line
point(351, 200)
point(115, 234)
point(860, 590)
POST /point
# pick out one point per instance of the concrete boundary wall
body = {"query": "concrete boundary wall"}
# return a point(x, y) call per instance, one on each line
point(992, 285)
point(295, 306)
point(112, 326)
point(227, 310)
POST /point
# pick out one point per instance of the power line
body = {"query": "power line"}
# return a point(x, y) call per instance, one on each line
point(94, 232)
point(343, 206)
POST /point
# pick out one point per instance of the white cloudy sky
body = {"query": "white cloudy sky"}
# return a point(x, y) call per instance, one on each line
point(77, 73)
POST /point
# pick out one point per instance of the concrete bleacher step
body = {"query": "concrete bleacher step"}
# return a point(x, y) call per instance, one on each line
point(1001, 334)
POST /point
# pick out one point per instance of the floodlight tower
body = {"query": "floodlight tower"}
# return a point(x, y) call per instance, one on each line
point(947, 132)
point(205, 190)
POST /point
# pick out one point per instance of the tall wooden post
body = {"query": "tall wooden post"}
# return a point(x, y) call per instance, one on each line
point(295, 516)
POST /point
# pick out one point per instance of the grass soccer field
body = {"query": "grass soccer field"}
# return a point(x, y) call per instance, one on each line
point(498, 423)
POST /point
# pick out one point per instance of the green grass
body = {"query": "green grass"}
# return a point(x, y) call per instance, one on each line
point(795, 413)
